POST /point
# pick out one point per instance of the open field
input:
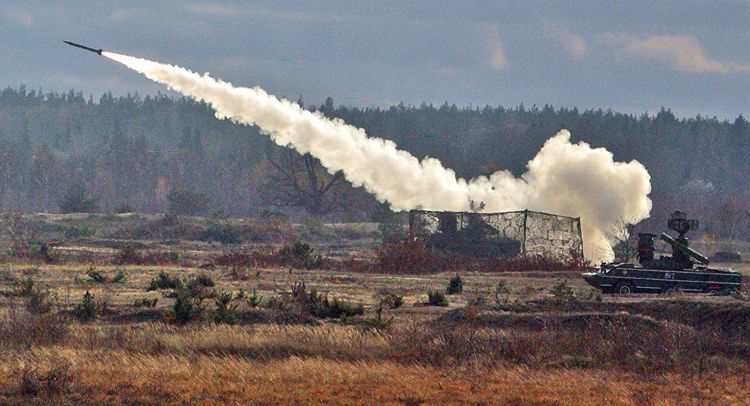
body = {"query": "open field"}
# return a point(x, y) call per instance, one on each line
point(545, 338)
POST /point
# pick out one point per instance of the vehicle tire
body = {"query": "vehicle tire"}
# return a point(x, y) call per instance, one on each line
point(624, 288)
point(671, 291)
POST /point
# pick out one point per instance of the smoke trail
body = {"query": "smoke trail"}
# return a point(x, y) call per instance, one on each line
point(563, 178)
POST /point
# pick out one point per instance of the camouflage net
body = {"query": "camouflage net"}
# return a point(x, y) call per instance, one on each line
point(503, 235)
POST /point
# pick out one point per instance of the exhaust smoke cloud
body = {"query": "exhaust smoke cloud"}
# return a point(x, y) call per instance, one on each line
point(563, 178)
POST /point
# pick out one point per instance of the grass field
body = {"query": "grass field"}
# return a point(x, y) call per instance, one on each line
point(542, 338)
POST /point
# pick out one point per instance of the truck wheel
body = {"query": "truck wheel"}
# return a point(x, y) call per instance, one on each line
point(625, 288)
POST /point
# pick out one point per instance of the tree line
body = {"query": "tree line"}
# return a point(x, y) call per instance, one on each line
point(160, 153)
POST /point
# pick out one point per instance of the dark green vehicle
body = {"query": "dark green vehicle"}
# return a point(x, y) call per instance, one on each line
point(685, 270)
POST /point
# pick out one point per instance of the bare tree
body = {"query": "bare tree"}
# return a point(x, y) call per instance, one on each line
point(45, 172)
point(301, 181)
point(626, 246)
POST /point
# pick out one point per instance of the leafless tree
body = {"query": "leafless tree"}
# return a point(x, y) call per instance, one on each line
point(626, 246)
point(301, 181)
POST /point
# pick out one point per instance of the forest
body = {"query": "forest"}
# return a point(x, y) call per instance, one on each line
point(64, 152)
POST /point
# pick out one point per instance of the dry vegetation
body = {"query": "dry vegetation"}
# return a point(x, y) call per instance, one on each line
point(271, 331)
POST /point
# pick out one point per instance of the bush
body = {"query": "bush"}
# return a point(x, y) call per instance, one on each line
point(187, 202)
point(223, 233)
point(455, 285)
point(204, 280)
point(98, 277)
point(378, 322)
point(38, 301)
point(390, 224)
point(26, 329)
point(128, 255)
point(226, 312)
point(392, 301)
point(299, 255)
point(318, 304)
point(167, 227)
point(238, 273)
point(77, 200)
point(562, 291)
point(25, 288)
point(78, 232)
point(56, 381)
point(87, 310)
point(145, 302)
point(410, 256)
point(124, 208)
point(436, 298)
point(502, 289)
point(187, 307)
point(164, 281)
point(254, 300)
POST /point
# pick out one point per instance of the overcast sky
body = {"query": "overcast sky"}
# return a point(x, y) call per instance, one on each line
point(634, 56)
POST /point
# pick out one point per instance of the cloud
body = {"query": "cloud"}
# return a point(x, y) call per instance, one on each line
point(497, 60)
point(119, 15)
point(226, 10)
point(443, 71)
point(573, 43)
point(682, 52)
point(19, 17)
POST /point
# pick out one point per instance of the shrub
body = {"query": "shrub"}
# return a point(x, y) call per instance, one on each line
point(25, 288)
point(187, 202)
point(562, 291)
point(164, 281)
point(128, 255)
point(145, 302)
point(202, 279)
point(124, 208)
point(392, 301)
point(160, 257)
point(238, 273)
point(38, 301)
point(79, 232)
point(299, 255)
point(56, 381)
point(226, 312)
point(436, 298)
point(409, 256)
point(168, 226)
point(187, 307)
point(87, 310)
point(378, 322)
point(223, 233)
point(502, 289)
point(77, 200)
point(319, 305)
point(455, 285)
point(390, 224)
point(98, 277)
point(254, 300)
point(23, 328)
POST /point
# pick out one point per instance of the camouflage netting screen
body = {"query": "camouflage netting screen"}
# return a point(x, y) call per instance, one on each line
point(502, 235)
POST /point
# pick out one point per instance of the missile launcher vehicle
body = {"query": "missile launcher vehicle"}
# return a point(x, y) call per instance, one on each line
point(685, 270)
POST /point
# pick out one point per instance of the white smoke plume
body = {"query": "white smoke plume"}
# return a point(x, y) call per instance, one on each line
point(564, 178)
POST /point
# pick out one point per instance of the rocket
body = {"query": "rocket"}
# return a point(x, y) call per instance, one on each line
point(98, 51)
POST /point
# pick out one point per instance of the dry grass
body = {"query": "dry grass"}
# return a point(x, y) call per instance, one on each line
point(118, 377)
point(529, 349)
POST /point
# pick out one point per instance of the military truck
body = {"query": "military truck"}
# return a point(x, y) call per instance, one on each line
point(685, 270)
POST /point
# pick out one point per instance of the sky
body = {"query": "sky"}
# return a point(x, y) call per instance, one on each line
point(636, 56)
